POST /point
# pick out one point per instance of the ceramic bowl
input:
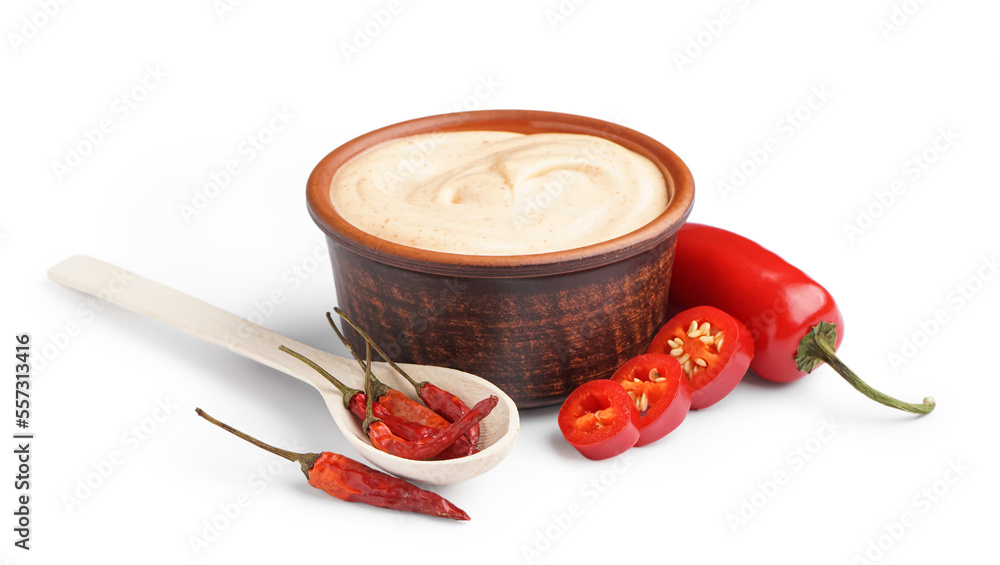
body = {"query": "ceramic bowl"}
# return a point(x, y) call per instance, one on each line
point(536, 325)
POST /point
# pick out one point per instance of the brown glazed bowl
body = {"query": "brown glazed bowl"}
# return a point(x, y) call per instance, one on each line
point(537, 325)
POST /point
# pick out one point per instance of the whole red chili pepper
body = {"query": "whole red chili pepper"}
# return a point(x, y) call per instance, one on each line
point(355, 401)
point(383, 439)
point(792, 319)
point(442, 402)
point(346, 479)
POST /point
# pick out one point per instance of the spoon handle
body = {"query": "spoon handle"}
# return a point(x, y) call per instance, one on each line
point(117, 286)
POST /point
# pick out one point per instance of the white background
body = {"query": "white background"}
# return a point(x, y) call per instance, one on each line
point(219, 76)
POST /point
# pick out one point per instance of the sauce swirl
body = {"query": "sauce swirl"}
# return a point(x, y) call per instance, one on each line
point(498, 193)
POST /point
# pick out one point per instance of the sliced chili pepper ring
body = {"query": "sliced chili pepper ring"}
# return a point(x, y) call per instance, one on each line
point(654, 383)
point(713, 348)
point(599, 419)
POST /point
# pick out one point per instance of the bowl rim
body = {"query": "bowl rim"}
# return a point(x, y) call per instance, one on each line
point(678, 178)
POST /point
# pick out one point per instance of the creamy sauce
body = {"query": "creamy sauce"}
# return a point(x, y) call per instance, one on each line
point(498, 193)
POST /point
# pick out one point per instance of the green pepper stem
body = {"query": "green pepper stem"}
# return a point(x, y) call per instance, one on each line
point(371, 342)
point(345, 390)
point(305, 460)
point(369, 386)
point(819, 346)
point(343, 340)
point(378, 386)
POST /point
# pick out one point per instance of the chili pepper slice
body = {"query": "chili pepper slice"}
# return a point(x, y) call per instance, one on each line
point(793, 320)
point(355, 399)
point(654, 383)
point(599, 419)
point(347, 479)
point(421, 449)
point(713, 348)
point(442, 402)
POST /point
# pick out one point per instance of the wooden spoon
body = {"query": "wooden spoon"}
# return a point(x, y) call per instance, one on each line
point(498, 431)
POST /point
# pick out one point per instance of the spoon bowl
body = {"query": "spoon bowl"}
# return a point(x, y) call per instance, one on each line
point(498, 431)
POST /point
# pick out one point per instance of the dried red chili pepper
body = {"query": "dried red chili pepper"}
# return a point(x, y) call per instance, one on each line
point(398, 403)
point(405, 407)
point(355, 401)
point(347, 479)
point(422, 449)
point(442, 402)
